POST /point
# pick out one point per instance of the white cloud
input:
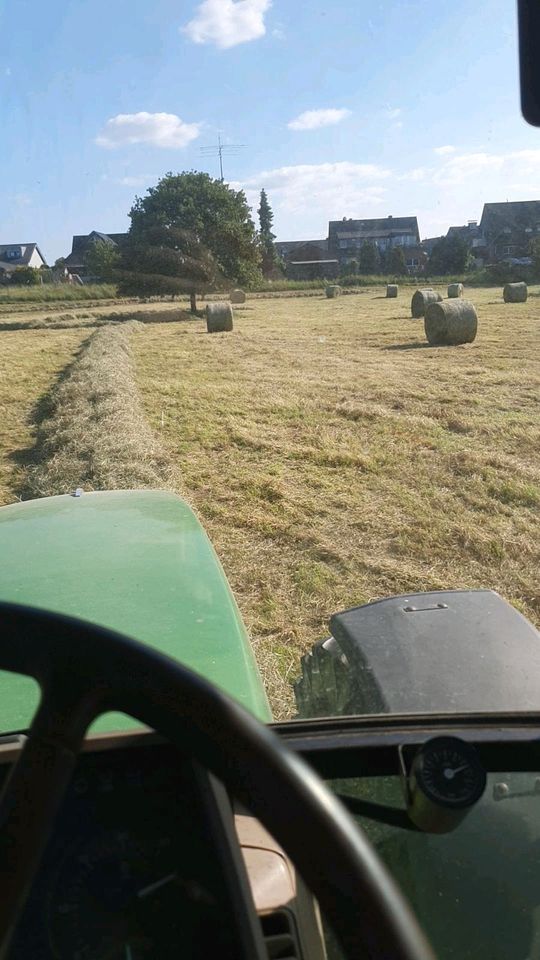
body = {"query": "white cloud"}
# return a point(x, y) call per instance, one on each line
point(226, 23)
point(138, 180)
point(466, 166)
point(7, 71)
point(416, 174)
point(164, 130)
point(313, 119)
point(312, 194)
point(441, 151)
point(392, 113)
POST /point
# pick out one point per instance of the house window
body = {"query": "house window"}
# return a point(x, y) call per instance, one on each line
point(14, 254)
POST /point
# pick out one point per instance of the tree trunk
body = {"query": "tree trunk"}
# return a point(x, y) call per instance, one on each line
point(193, 300)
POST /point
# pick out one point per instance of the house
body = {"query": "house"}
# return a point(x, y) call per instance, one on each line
point(508, 228)
point(13, 255)
point(302, 249)
point(306, 259)
point(428, 244)
point(76, 261)
point(312, 269)
point(347, 236)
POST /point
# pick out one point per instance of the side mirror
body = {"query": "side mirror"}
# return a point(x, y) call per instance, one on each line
point(529, 59)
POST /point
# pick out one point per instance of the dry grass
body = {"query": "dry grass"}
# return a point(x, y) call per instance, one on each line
point(335, 459)
point(94, 434)
point(29, 364)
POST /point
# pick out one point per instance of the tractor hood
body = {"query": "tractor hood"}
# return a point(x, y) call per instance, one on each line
point(138, 562)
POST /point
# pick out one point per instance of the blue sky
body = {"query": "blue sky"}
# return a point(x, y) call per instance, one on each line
point(351, 108)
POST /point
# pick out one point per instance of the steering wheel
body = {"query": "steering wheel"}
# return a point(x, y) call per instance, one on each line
point(85, 670)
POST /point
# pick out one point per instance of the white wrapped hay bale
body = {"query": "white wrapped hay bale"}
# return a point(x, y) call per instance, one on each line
point(451, 322)
point(420, 301)
point(333, 290)
point(515, 292)
point(392, 290)
point(238, 296)
point(219, 317)
point(455, 290)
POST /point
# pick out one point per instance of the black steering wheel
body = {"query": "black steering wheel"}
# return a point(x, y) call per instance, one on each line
point(83, 671)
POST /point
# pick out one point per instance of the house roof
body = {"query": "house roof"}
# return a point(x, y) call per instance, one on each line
point(27, 249)
point(81, 243)
point(289, 245)
point(516, 214)
point(373, 228)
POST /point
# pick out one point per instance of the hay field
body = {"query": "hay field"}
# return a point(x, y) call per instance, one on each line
point(334, 458)
point(30, 362)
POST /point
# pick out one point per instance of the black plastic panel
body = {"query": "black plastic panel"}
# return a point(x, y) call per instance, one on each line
point(442, 651)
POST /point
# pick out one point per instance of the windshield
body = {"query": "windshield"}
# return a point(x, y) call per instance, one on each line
point(270, 275)
point(475, 890)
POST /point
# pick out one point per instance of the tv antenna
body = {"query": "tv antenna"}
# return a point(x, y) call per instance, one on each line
point(219, 149)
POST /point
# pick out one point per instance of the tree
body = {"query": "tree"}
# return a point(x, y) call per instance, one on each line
point(102, 260)
point(188, 233)
point(350, 269)
point(27, 276)
point(266, 237)
point(368, 260)
point(534, 251)
point(167, 260)
point(395, 262)
point(449, 255)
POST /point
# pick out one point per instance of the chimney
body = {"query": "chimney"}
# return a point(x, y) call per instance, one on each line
point(389, 216)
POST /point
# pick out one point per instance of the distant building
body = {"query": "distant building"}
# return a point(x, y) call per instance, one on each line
point(302, 249)
point(428, 244)
point(13, 255)
point(76, 260)
point(508, 228)
point(306, 259)
point(347, 236)
point(312, 269)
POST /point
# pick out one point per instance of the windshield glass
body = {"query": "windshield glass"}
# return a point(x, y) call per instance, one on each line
point(269, 300)
point(474, 890)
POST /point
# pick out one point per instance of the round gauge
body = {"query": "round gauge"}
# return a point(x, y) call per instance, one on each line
point(117, 896)
point(448, 772)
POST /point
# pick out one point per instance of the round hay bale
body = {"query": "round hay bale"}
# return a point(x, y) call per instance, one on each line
point(238, 296)
point(420, 301)
point(392, 290)
point(219, 317)
point(450, 322)
point(333, 290)
point(515, 292)
point(455, 290)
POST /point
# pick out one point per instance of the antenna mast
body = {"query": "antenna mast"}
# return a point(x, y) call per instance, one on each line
point(219, 149)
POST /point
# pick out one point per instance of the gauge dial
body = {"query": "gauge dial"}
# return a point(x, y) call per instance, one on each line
point(447, 770)
point(116, 897)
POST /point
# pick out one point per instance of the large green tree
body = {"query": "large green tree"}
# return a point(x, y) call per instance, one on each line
point(266, 237)
point(449, 255)
point(189, 233)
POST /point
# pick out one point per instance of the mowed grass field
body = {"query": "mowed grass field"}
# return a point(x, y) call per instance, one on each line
point(334, 458)
point(30, 362)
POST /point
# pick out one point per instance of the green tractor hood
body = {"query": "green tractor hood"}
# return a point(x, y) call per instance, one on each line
point(138, 562)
